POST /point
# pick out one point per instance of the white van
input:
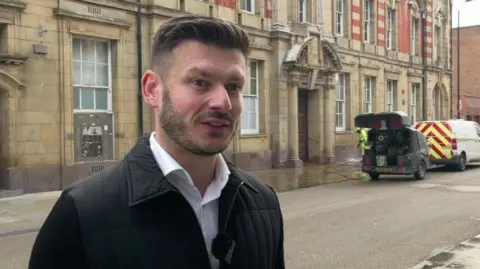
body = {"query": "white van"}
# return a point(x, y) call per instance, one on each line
point(453, 142)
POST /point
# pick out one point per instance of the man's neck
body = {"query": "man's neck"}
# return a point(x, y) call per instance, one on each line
point(200, 168)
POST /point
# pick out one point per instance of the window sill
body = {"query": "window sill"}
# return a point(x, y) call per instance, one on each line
point(253, 136)
point(248, 12)
point(342, 132)
point(92, 111)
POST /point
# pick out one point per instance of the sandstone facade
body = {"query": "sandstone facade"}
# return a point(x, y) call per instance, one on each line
point(69, 78)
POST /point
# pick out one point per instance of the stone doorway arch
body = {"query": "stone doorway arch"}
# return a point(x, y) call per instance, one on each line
point(9, 91)
point(440, 104)
point(311, 65)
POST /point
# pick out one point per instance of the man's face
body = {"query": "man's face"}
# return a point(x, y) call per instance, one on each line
point(199, 99)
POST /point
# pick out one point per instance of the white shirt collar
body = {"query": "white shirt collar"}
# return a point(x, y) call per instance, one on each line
point(169, 165)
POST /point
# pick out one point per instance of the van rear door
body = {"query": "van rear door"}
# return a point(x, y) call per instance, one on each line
point(439, 136)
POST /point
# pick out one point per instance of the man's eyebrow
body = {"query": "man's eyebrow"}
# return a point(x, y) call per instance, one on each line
point(197, 71)
point(237, 78)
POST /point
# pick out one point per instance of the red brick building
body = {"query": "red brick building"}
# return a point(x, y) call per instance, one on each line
point(395, 56)
point(469, 71)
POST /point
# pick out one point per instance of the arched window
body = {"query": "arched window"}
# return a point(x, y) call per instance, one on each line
point(414, 28)
point(439, 35)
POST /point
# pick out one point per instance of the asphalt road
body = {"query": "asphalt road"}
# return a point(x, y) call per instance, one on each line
point(393, 223)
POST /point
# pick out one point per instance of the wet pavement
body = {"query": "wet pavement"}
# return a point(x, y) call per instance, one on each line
point(287, 178)
point(308, 176)
point(393, 223)
point(466, 255)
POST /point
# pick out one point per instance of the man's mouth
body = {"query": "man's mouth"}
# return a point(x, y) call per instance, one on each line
point(217, 123)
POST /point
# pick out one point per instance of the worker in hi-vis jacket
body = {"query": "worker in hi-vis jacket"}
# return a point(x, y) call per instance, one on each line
point(363, 145)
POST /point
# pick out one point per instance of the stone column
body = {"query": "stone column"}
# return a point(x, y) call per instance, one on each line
point(329, 130)
point(322, 123)
point(293, 159)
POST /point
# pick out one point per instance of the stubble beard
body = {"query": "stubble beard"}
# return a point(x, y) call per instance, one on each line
point(175, 128)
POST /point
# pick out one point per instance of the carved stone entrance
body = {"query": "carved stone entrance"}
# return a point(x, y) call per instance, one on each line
point(9, 91)
point(311, 65)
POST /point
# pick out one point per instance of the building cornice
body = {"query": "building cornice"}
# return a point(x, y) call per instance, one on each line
point(16, 4)
point(12, 59)
point(73, 15)
point(385, 60)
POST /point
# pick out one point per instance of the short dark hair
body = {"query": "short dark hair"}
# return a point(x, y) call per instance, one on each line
point(211, 31)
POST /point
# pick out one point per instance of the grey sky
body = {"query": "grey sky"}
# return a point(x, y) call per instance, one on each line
point(469, 13)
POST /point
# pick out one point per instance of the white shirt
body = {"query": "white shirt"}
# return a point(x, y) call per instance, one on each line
point(206, 207)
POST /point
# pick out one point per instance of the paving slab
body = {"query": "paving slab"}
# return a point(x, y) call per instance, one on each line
point(466, 255)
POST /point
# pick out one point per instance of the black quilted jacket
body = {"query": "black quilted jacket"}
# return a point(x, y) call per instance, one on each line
point(130, 217)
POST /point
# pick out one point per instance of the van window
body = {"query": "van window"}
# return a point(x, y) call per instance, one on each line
point(477, 128)
point(422, 141)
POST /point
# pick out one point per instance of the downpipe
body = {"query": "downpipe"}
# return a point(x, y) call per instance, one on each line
point(424, 62)
point(139, 67)
point(451, 60)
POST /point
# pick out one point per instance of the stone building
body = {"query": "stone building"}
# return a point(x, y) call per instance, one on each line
point(69, 103)
point(469, 76)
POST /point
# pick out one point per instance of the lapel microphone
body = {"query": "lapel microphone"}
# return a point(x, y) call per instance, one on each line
point(222, 247)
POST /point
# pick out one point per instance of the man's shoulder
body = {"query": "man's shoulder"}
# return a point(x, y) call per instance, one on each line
point(262, 189)
point(97, 185)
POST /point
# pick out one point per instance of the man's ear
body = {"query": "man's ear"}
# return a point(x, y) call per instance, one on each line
point(151, 88)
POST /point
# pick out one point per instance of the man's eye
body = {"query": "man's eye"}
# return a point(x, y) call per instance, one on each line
point(199, 83)
point(234, 87)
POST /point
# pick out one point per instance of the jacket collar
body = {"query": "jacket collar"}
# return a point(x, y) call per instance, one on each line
point(146, 181)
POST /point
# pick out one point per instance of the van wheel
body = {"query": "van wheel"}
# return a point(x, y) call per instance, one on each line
point(421, 171)
point(374, 176)
point(462, 163)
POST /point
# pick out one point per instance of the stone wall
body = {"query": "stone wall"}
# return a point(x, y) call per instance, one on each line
point(39, 150)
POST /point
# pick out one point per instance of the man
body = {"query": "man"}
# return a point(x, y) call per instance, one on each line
point(173, 201)
point(362, 139)
point(363, 145)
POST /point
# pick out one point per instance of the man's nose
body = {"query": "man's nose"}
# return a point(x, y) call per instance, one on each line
point(220, 99)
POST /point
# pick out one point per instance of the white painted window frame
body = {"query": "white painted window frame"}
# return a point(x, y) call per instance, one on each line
point(341, 86)
point(413, 102)
point(390, 26)
point(302, 10)
point(109, 87)
point(437, 40)
point(255, 130)
point(367, 94)
point(339, 18)
point(367, 21)
point(414, 36)
point(243, 5)
point(390, 102)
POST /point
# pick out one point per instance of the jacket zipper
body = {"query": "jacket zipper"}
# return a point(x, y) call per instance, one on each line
point(231, 207)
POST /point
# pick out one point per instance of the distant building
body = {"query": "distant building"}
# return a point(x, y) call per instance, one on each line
point(380, 44)
point(469, 73)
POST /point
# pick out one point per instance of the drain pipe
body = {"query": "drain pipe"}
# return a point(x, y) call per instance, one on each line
point(451, 60)
point(139, 66)
point(424, 62)
point(61, 64)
